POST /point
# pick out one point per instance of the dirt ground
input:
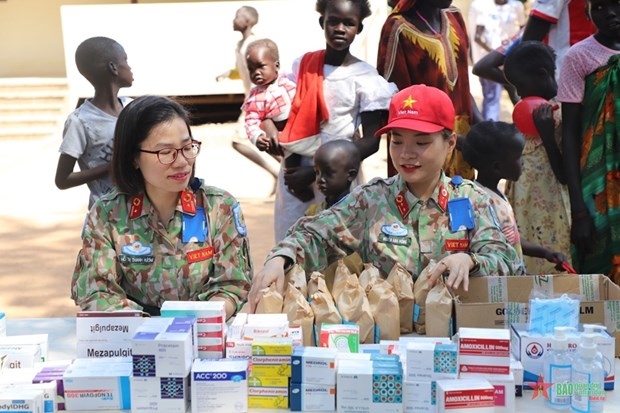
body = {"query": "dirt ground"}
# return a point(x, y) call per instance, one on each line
point(40, 225)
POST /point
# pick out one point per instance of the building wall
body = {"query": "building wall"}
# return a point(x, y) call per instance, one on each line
point(31, 42)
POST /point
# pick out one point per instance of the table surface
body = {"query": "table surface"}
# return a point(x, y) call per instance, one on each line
point(62, 346)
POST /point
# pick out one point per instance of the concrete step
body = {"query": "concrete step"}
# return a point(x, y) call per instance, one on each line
point(32, 107)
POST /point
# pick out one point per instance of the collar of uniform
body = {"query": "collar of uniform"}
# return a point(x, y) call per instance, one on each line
point(412, 200)
point(147, 206)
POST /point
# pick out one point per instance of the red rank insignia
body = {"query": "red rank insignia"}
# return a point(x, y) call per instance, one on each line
point(188, 202)
point(136, 206)
point(457, 244)
point(401, 204)
point(200, 255)
point(443, 197)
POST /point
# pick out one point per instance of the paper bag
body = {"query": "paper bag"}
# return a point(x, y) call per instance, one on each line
point(354, 308)
point(368, 274)
point(341, 277)
point(271, 301)
point(353, 263)
point(438, 311)
point(401, 281)
point(385, 310)
point(297, 277)
point(313, 283)
point(299, 313)
point(420, 291)
point(323, 307)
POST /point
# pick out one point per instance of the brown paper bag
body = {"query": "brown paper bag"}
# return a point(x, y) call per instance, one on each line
point(385, 310)
point(341, 276)
point(353, 263)
point(323, 307)
point(297, 276)
point(354, 308)
point(271, 301)
point(420, 291)
point(299, 313)
point(401, 281)
point(438, 311)
point(368, 274)
point(313, 283)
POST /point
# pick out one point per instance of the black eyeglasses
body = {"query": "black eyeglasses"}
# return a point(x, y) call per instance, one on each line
point(169, 155)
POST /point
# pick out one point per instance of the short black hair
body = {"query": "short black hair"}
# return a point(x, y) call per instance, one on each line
point(93, 55)
point(526, 60)
point(490, 141)
point(133, 126)
point(342, 147)
point(269, 44)
point(362, 5)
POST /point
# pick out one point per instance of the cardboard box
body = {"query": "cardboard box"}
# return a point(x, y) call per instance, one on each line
point(496, 302)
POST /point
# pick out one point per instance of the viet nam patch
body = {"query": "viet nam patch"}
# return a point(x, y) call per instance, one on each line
point(136, 253)
point(239, 224)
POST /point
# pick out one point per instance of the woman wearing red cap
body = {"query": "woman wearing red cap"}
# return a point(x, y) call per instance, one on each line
point(411, 218)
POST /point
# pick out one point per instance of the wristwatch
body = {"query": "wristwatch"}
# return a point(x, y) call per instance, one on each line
point(474, 258)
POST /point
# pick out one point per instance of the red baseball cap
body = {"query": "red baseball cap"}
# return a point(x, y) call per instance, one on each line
point(420, 108)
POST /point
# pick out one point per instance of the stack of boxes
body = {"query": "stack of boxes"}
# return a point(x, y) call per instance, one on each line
point(369, 384)
point(313, 379)
point(21, 400)
point(484, 360)
point(103, 334)
point(210, 324)
point(24, 379)
point(163, 350)
point(427, 362)
point(270, 373)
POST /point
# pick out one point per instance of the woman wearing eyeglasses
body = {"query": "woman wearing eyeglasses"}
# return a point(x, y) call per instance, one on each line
point(161, 234)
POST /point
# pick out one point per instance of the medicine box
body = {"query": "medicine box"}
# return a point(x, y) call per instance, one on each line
point(342, 337)
point(268, 397)
point(465, 396)
point(530, 349)
point(16, 381)
point(210, 324)
point(2, 324)
point(484, 350)
point(311, 397)
point(97, 384)
point(238, 347)
point(315, 365)
point(164, 347)
point(516, 368)
point(21, 401)
point(431, 361)
point(265, 326)
point(19, 356)
point(504, 392)
point(40, 340)
point(106, 333)
point(219, 386)
point(160, 394)
point(419, 396)
point(52, 372)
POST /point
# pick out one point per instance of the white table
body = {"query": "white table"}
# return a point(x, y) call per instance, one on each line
point(62, 346)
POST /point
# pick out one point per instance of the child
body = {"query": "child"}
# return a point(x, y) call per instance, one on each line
point(495, 150)
point(271, 98)
point(336, 94)
point(336, 165)
point(588, 90)
point(245, 19)
point(88, 133)
point(539, 198)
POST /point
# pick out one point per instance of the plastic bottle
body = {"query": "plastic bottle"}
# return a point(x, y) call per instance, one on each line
point(557, 369)
point(588, 377)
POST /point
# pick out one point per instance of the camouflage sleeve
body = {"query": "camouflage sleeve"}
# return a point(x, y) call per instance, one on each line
point(334, 232)
point(494, 252)
point(96, 278)
point(232, 264)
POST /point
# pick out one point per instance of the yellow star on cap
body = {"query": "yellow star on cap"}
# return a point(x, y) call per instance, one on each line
point(408, 103)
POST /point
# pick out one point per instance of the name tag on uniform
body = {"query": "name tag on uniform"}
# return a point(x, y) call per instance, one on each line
point(202, 254)
point(395, 233)
point(461, 214)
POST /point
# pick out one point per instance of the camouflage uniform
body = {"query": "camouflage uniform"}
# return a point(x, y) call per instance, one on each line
point(385, 223)
point(131, 253)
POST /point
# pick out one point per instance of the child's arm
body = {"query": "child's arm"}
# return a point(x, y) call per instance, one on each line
point(371, 123)
point(582, 230)
point(534, 250)
point(67, 178)
point(543, 119)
